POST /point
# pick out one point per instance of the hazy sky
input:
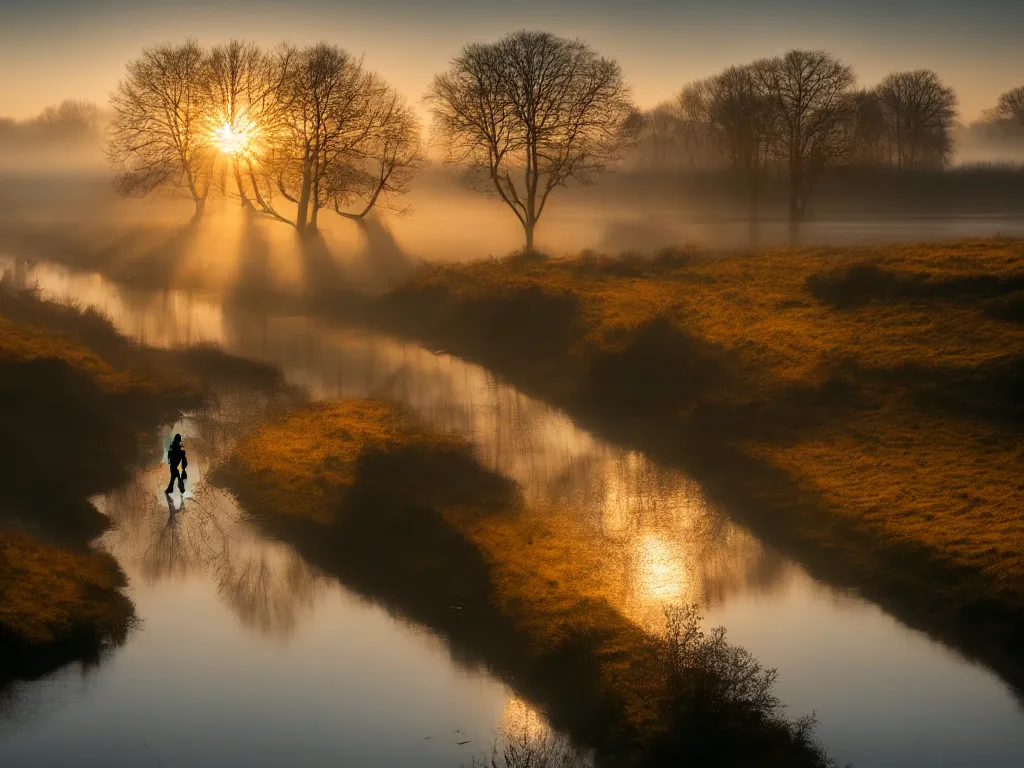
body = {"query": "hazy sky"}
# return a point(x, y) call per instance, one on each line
point(54, 49)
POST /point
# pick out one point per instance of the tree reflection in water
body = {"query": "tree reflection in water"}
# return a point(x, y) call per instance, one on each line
point(660, 540)
point(525, 740)
point(644, 518)
point(205, 535)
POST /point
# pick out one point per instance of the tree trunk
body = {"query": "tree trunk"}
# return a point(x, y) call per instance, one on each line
point(753, 180)
point(260, 200)
point(795, 204)
point(302, 216)
point(241, 185)
point(199, 200)
point(529, 227)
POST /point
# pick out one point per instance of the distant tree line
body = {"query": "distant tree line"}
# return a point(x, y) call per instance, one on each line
point(907, 121)
point(525, 115)
point(801, 112)
point(69, 121)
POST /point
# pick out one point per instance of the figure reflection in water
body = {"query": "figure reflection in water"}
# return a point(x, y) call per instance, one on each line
point(176, 456)
point(171, 509)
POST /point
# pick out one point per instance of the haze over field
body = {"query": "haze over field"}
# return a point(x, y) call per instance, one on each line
point(65, 60)
point(461, 383)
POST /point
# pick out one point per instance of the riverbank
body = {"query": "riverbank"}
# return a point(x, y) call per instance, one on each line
point(856, 407)
point(81, 406)
point(406, 516)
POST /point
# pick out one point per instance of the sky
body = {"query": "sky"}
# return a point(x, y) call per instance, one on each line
point(56, 49)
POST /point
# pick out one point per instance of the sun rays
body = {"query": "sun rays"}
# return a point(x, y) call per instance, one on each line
point(233, 140)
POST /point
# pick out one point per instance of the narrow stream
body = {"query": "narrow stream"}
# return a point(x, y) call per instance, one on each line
point(249, 656)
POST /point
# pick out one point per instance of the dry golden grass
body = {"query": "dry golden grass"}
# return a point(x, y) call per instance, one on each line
point(950, 485)
point(49, 593)
point(303, 464)
point(373, 491)
point(33, 330)
point(20, 344)
point(758, 305)
point(901, 470)
point(544, 576)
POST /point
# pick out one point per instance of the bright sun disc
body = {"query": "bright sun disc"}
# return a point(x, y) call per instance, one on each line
point(231, 141)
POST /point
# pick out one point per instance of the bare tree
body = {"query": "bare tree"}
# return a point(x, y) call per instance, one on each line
point(67, 124)
point(533, 111)
point(870, 128)
point(811, 99)
point(661, 135)
point(246, 85)
point(693, 112)
point(346, 134)
point(920, 111)
point(1011, 105)
point(231, 72)
point(70, 118)
point(385, 163)
point(741, 120)
point(160, 132)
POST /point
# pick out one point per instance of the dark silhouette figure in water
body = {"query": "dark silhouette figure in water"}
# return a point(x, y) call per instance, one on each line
point(176, 456)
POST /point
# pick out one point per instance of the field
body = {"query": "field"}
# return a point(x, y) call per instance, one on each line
point(80, 407)
point(406, 516)
point(859, 407)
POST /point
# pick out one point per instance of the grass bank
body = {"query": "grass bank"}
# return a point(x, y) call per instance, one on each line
point(858, 407)
point(408, 517)
point(79, 406)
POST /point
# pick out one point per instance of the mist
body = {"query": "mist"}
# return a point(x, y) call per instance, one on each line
point(612, 384)
point(676, 186)
point(72, 213)
point(65, 138)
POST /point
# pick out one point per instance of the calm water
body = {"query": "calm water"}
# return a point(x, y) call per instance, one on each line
point(248, 655)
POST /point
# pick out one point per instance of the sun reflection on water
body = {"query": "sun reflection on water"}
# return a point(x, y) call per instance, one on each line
point(519, 718)
point(656, 536)
point(659, 568)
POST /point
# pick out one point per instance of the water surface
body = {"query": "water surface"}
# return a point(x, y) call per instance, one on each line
point(247, 651)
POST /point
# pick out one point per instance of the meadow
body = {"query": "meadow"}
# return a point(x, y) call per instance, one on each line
point(857, 406)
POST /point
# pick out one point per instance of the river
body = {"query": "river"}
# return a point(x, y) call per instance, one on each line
point(246, 655)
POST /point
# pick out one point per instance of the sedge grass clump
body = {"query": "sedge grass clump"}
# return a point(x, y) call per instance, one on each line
point(56, 604)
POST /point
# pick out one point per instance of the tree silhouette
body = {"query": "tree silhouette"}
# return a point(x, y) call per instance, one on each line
point(692, 102)
point(919, 112)
point(385, 163)
point(662, 136)
point(812, 106)
point(533, 111)
point(1011, 105)
point(161, 123)
point(741, 119)
point(242, 83)
point(346, 135)
point(311, 124)
point(871, 130)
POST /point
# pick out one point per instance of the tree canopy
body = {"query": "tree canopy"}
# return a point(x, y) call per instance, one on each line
point(312, 125)
point(532, 112)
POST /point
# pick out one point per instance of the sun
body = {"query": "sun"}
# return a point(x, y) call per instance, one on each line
point(231, 141)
